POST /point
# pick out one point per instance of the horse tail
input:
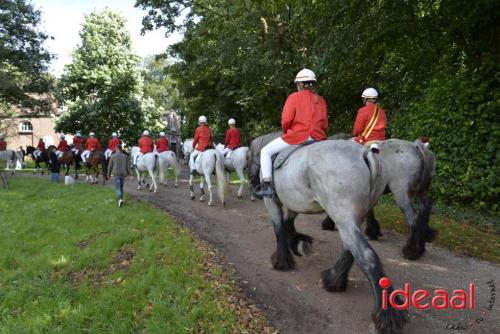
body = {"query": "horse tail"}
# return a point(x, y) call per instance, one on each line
point(220, 170)
point(175, 164)
point(423, 198)
point(372, 160)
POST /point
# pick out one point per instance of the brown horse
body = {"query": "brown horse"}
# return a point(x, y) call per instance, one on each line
point(70, 158)
point(95, 159)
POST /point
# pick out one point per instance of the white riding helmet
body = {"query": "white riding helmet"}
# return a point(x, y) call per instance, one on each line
point(91, 134)
point(231, 121)
point(162, 134)
point(78, 134)
point(370, 93)
point(305, 75)
point(145, 133)
point(62, 136)
point(114, 134)
point(202, 119)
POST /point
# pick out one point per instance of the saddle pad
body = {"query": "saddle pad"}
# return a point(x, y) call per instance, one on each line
point(280, 158)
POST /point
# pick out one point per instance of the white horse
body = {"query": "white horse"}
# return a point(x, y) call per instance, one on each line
point(206, 163)
point(166, 159)
point(187, 149)
point(147, 163)
point(237, 161)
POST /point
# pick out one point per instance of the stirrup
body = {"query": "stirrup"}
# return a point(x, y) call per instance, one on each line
point(264, 190)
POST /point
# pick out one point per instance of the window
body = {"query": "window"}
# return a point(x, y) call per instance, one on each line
point(25, 127)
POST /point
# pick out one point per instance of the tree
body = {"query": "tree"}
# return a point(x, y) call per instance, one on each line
point(102, 88)
point(23, 58)
point(426, 57)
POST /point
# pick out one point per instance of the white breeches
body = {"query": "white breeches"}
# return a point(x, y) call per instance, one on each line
point(226, 150)
point(74, 150)
point(266, 163)
point(59, 154)
point(37, 153)
point(192, 159)
point(107, 153)
point(85, 155)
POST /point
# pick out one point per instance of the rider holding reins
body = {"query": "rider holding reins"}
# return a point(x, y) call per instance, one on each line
point(62, 146)
point(91, 145)
point(371, 120)
point(162, 144)
point(304, 118)
point(145, 146)
point(113, 142)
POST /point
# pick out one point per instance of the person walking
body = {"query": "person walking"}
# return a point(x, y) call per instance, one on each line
point(119, 168)
point(55, 165)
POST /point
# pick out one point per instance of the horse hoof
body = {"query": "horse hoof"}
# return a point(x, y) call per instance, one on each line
point(334, 282)
point(202, 199)
point(210, 204)
point(240, 196)
point(413, 252)
point(176, 186)
point(304, 248)
point(252, 198)
point(282, 263)
point(192, 198)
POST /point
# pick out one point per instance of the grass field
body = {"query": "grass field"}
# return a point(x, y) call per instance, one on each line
point(72, 262)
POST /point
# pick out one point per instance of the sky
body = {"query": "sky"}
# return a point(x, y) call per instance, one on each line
point(63, 20)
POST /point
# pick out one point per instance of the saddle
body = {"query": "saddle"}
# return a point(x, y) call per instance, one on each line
point(280, 159)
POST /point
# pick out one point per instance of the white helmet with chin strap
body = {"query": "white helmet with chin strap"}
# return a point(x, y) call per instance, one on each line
point(145, 133)
point(231, 121)
point(114, 134)
point(62, 136)
point(305, 75)
point(202, 119)
point(370, 93)
point(91, 134)
point(78, 134)
point(162, 134)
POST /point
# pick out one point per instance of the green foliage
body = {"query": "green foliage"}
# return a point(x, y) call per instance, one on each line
point(23, 58)
point(238, 59)
point(102, 87)
point(458, 114)
point(94, 267)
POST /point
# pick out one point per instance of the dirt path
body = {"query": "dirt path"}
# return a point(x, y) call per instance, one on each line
point(295, 301)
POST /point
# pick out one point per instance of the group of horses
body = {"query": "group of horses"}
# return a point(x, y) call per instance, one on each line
point(345, 180)
point(337, 176)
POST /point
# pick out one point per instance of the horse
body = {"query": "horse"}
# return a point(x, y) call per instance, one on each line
point(166, 159)
point(147, 163)
point(95, 159)
point(187, 149)
point(208, 162)
point(343, 179)
point(68, 159)
point(409, 167)
point(236, 162)
point(43, 157)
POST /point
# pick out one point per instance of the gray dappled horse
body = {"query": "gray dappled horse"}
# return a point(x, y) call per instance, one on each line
point(343, 179)
point(408, 171)
point(409, 167)
point(236, 162)
point(207, 163)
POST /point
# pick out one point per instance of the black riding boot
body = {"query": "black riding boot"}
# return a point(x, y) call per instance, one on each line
point(266, 190)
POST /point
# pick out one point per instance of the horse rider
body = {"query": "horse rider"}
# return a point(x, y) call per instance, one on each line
point(145, 145)
point(77, 143)
point(3, 143)
point(91, 145)
point(112, 145)
point(62, 146)
point(39, 148)
point(162, 144)
point(304, 118)
point(232, 140)
point(201, 142)
point(371, 120)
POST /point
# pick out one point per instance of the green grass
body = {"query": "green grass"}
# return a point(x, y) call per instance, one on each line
point(72, 262)
point(463, 234)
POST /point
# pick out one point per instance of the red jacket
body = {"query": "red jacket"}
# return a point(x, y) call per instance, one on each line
point(3, 145)
point(112, 143)
point(202, 137)
point(146, 144)
point(304, 115)
point(232, 138)
point(78, 142)
point(162, 145)
point(41, 146)
point(63, 145)
point(92, 144)
point(363, 118)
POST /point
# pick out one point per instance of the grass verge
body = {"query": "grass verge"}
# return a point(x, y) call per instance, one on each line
point(73, 262)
